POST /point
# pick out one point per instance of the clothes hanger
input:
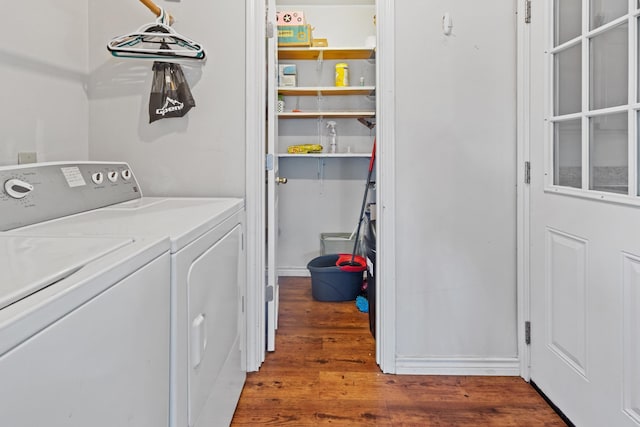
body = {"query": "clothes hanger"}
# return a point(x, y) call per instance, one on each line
point(157, 40)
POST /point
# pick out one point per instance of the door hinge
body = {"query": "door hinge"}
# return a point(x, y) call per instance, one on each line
point(527, 332)
point(269, 30)
point(268, 25)
point(527, 11)
point(527, 172)
point(269, 294)
point(269, 162)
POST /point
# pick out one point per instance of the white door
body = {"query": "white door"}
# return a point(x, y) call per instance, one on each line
point(585, 209)
point(273, 180)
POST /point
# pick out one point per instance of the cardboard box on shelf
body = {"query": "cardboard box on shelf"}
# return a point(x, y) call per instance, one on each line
point(294, 35)
point(287, 75)
point(319, 43)
point(289, 17)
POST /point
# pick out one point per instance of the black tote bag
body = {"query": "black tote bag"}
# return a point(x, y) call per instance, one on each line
point(170, 92)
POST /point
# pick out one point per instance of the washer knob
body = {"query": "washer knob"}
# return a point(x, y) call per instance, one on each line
point(126, 174)
point(113, 176)
point(97, 178)
point(17, 188)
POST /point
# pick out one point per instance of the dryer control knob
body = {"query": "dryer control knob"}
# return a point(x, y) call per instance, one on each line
point(126, 174)
point(17, 188)
point(113, 176)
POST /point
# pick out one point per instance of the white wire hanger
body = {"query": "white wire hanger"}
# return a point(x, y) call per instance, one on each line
point(157, 40)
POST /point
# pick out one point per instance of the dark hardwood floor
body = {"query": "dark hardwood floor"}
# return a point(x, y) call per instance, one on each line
point(324, 372)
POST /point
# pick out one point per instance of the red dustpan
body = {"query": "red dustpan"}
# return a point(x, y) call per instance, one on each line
point(351, 263)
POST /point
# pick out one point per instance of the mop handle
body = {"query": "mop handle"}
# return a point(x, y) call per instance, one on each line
point(373, 158)
point(364, 201)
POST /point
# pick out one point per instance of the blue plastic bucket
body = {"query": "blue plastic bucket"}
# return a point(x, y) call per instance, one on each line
point(331, 283)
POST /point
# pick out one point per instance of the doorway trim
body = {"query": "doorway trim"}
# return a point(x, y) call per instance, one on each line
point(386, 182)
point(255, 192)
point(523, 97)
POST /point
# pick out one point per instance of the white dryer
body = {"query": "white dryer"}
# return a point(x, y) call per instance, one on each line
point(208, 366)
point(84, 331)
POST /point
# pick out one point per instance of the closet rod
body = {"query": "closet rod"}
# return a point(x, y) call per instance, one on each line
point(155, 9)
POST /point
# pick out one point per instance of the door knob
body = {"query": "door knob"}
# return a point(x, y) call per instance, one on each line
point(280, 180)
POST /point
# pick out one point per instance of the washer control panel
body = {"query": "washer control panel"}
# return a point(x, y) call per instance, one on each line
point(17, 188)
point(43, 191)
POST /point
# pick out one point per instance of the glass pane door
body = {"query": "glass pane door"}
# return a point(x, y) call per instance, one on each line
point(594, 99)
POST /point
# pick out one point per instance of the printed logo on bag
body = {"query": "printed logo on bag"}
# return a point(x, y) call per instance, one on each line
point(166, 108)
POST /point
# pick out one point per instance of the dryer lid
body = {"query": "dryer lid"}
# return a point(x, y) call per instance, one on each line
point(31, 263)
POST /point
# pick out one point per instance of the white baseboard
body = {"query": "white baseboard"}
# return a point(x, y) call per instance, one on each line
point(458, 366)
point(294, 271)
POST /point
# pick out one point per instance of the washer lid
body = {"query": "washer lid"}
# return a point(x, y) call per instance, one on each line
point(183, 220)
point(31, 263)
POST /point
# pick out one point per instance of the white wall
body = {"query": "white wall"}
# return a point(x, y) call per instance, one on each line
point(322, 195)
point(455, 131)
point(455, 184)
point(43, 69)
point(70, 100)
point(201, 154)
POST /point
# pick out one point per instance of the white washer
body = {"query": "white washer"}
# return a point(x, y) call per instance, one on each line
point(207, 284)
point(83, 331)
